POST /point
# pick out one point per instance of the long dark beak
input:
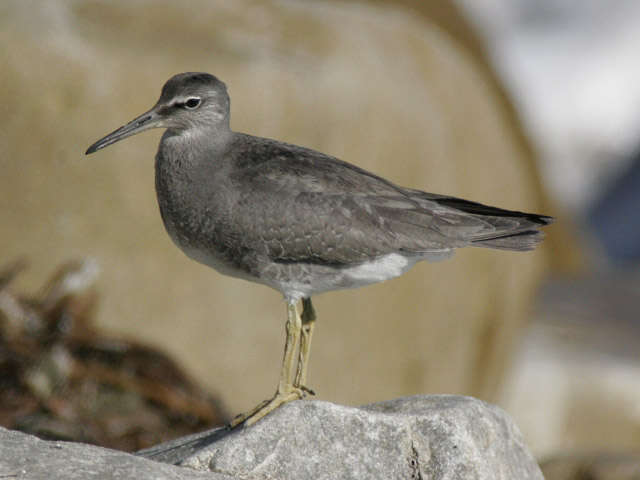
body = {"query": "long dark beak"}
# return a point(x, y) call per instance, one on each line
point(147, 120)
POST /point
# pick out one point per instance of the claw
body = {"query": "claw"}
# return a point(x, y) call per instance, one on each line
point(266, 407)
point(307, 390)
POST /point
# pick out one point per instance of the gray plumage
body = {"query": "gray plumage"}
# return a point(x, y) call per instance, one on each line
point(292, 218)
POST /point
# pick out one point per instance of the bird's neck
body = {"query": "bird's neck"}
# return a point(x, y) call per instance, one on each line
point(187, 156)
point(188, 144)
point(184, 155)
point(187, 166)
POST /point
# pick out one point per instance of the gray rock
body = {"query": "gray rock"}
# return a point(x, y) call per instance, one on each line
point(24, 456)
point(440, 437)
point(428, 437)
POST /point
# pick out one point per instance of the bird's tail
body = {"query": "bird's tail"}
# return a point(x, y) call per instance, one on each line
point(520, 242)
point(506, 229)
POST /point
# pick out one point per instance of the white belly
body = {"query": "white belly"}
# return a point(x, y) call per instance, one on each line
point(378, 270)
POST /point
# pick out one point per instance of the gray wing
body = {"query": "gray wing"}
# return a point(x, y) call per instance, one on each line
point(308, 207)
point(342, 229)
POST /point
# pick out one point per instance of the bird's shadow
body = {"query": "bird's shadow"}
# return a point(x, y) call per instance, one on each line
point(177, 450)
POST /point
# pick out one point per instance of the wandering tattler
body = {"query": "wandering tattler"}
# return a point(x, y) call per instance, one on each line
point(294, 219)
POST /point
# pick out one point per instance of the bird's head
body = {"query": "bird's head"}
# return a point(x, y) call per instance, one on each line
point(189, 101)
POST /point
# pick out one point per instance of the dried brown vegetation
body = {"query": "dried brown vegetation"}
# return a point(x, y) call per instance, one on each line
point(61, 378)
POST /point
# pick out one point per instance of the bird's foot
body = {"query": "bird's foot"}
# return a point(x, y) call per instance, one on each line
point(268, 406)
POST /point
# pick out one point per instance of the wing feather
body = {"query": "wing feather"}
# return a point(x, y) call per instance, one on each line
point(312, 208)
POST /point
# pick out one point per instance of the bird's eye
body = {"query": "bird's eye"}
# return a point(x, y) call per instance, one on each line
point(192, 103)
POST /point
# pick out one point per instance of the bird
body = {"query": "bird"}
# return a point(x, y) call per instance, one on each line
point(294, 219)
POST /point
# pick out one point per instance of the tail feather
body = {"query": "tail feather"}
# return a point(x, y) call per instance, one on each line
point(455, 222)
point(520, 242)
point(512, 230)
point(488, 211)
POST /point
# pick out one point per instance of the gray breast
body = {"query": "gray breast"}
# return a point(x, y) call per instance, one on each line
point(197, 214)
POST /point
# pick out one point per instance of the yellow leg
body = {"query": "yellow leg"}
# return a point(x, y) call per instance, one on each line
point(287, 391)
point(308, 324)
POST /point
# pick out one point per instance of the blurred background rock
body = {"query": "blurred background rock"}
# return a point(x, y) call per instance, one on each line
point(405, 88)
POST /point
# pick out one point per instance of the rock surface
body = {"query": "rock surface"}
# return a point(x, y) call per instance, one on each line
point(439, 437)
point(24, 456)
